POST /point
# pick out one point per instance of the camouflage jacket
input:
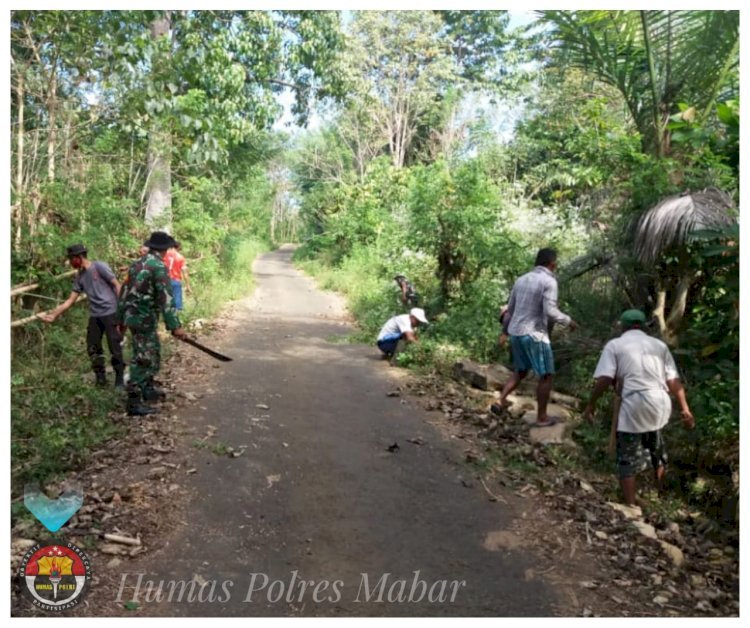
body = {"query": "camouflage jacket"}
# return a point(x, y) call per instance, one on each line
point(146, 292)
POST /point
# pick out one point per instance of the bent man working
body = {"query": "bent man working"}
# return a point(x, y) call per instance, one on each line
point(645, 373)
point(399, 330)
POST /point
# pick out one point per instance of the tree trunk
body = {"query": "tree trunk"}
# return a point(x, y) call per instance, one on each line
point(52, 133)
point(669, 324)
point(659, 310)
point(679, 305)
point(159, 180)
point(20, 95)
point(18, 201)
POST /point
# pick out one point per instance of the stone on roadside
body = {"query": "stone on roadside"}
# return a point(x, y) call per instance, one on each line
point(529, 417)
point(113, 548)
point(674, 553)
point(482, 376)
point(646, 529)
point(552, 435)
point(157, 472)
point(630, 512)
point(563, 399)
point(21, 545)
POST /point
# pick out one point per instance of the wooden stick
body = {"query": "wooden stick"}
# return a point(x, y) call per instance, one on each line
point(613, 431)
point(493, 497)
point(124, 540)
point(41, 296)
point(28, 319)
point(21, 289)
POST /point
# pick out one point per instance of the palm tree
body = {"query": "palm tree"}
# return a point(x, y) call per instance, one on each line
point(668, 228)
point(656, 59)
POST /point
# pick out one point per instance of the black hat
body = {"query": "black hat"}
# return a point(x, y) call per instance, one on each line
point(76, 249)
point(159, 241)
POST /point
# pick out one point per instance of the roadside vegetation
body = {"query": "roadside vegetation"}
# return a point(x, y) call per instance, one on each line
point(125, 122)
point(451, 162)
point(616, 112)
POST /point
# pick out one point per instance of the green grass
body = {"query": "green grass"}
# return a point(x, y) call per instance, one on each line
point(57, 415)
point(218, 448)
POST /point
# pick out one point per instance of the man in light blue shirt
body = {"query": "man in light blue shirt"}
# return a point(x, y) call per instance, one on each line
point(532, 307)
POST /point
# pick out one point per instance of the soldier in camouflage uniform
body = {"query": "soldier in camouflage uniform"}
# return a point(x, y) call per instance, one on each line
point(147, 292)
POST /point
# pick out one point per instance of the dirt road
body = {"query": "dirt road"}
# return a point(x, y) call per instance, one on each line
point(316, 495)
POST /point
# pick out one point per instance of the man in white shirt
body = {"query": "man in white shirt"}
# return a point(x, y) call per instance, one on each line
point(643, 373)
point(532, 308)
point(400, 328)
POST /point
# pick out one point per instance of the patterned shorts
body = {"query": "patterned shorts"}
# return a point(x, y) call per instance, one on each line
point(530, 354)
point(632, 456)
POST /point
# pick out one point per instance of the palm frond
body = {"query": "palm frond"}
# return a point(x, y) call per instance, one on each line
point(656, 59)
point(673, 220)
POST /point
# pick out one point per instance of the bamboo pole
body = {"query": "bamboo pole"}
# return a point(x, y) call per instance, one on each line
point(28, 319)
point(21, 289)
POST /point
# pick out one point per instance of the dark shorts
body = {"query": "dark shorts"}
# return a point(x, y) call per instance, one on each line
point(633, 451)
point(529, 354)
point(387, 344)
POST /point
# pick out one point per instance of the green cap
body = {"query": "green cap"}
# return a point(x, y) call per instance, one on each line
point(630, 317)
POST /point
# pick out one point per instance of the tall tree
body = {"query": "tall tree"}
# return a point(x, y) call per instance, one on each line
point(159, 172)
point(211, 79)
point(401, 68)
point(656, 59)
point(51, 62)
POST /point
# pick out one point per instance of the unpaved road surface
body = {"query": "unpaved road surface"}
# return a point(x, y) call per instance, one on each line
point(315, 495)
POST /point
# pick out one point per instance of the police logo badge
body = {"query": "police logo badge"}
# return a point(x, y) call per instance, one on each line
point(55, 575)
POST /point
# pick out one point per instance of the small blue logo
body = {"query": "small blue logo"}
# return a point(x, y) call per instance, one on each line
point(53, 513)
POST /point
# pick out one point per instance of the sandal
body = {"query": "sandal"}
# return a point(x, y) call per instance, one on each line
point(551, 420)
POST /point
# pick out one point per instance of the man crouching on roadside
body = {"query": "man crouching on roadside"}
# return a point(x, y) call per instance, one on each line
point(645, 372)
point(399, 330)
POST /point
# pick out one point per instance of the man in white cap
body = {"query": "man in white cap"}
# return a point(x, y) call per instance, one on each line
point(400, 328)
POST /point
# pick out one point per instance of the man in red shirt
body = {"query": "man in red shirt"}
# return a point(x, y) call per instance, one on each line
point(175, 263)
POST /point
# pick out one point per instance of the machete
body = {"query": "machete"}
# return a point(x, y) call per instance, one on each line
point(210, 352)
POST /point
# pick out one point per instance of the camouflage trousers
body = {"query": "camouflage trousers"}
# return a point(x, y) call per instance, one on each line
point(146, 357)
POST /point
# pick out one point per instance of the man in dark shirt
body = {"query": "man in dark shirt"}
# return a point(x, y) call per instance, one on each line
point(408, 295)
point(100, 285)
